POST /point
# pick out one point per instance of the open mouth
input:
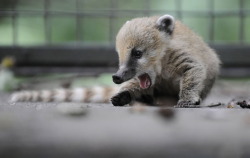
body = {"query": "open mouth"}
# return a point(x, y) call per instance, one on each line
point(145, 81)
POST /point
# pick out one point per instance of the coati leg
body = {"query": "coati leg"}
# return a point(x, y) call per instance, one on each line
point(125, 97)
point(191, 87)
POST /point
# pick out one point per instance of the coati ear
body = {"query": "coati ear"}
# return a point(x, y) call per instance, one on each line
point(166, 23)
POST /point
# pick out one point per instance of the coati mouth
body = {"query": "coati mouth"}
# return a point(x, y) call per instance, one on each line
point(145, 81)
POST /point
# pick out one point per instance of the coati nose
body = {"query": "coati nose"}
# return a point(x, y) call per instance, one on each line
point(117, 79)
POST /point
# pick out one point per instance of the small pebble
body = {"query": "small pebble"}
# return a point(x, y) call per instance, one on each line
point(72, 109)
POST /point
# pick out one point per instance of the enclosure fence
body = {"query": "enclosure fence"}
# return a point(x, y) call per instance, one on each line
point(73, 32)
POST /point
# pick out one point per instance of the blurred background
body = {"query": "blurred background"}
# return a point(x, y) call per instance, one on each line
point(70, 43)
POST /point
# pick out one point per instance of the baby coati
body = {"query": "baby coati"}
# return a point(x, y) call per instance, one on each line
point(158, 57)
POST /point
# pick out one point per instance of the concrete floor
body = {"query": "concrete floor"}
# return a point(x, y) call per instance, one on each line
point(101, 130)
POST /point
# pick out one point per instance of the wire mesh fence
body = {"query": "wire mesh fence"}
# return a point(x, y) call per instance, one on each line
point(78, 28)
point(96, 21)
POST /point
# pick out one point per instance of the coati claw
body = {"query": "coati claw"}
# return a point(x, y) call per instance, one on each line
point(121, 99)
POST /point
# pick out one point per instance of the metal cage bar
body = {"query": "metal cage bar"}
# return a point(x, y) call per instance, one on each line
point(47, 22)
point(78, 32)
point(178, 9)
point(211, 21)
point(113, 4)
point(14, 17)
point(242, 22)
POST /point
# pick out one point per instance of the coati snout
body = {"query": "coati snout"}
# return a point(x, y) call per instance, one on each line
point(123, 74)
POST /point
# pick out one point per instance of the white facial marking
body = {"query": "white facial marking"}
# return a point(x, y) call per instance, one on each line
point(142, 61)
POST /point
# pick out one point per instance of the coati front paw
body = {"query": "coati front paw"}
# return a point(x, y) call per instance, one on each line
point(187, 104)
point(121, 99)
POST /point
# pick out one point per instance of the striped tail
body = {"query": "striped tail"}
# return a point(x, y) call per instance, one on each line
point(86, 95)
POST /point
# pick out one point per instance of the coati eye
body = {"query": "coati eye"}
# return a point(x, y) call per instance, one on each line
point(136, 53)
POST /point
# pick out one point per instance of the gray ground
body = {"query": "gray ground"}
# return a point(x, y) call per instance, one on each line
point(101, 130)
